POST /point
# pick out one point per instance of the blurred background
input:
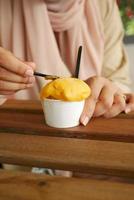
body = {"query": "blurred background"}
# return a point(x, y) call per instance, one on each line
point(127, 13)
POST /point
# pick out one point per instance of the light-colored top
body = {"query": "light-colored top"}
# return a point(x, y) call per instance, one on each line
point(50, 33)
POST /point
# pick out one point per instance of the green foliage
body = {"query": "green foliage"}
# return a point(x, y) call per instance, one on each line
point(127, 13)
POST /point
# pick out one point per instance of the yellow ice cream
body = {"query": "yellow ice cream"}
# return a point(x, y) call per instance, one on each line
point(66, 89)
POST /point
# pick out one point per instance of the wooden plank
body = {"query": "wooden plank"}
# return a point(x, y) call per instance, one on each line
point(27, 117)
point(104, 157)
point(27, 186)
point(23, 105)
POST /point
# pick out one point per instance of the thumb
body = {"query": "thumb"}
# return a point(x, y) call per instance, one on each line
point(13, 64)
point(88, 111)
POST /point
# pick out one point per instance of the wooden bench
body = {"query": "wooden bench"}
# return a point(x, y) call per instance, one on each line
point(27, 186)
point(103, 147)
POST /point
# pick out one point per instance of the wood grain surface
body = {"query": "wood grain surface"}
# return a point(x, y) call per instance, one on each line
point(104, 146)
point(27, 186)
point(26, 117)
point(104, 157)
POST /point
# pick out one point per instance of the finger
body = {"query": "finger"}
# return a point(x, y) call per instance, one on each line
point(105, 101)
point(9, 76)
point(11, 63)
point(96, 85)
point(7, 92)
point(118, 106)
point(5, 85)
point(130, 103)
point(31, 64)
point(87, 111)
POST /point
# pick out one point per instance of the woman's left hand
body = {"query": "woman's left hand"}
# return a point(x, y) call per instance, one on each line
point(129, 103)
point(106, 100)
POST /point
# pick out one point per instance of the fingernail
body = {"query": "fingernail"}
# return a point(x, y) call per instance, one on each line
point(31, 80)
point(85, 120)
point(127, 110)
point(29, 72)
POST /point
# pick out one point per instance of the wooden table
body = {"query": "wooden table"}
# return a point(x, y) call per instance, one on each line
point(104, 147)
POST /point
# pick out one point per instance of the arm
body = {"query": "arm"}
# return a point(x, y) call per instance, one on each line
point(115, 65)
point(107, 98)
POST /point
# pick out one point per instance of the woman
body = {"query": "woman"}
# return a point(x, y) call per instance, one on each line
point(49, 33)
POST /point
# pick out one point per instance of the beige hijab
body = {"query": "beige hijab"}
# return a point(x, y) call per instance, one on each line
point(34, 31)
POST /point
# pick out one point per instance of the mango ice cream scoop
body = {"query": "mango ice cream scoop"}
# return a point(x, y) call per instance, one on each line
point(63, 101)
point(66, 89)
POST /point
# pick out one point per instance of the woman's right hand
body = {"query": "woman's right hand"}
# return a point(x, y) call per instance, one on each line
point(15, 75)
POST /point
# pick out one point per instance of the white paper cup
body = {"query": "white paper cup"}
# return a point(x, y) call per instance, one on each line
point(62, 114)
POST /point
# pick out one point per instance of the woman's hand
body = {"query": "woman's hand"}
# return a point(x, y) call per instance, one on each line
point(106, 100)
point(14, 74)
point(129, 103)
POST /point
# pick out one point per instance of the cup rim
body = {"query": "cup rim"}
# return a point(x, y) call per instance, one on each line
point(47, 99)
point(57, 100)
